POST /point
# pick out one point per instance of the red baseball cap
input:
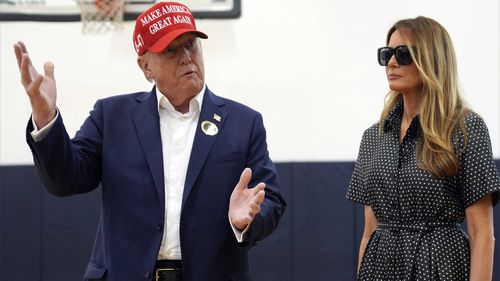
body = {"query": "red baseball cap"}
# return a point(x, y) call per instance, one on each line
point(159, 25)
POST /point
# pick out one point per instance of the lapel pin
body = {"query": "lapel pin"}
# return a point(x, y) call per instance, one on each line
point(217, 117)
point(209, 128)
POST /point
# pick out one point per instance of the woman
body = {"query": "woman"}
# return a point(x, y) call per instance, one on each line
point(424, 168)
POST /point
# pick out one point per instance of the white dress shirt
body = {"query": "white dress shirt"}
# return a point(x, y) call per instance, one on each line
point(177, 136)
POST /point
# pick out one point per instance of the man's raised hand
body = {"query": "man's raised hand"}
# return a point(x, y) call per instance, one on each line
point(41, 89)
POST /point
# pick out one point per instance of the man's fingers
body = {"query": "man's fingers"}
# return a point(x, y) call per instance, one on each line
point(245, 178)
point(259, 197)
point(26, 77)
point(35, 86)
point(23, 46)
point(19, 54)
point(255, 208)
point(258, 188)
point(48, 68)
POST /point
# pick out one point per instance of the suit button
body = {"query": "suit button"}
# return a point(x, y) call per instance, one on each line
point(159, 227)
point(146, 274)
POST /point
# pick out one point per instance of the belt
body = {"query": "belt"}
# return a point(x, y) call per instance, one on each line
point(422, 226)
point(168, 270)
point(419, 229)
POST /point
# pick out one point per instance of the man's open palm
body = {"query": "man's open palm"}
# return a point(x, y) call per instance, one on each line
point(41, 89)
point(245, 202)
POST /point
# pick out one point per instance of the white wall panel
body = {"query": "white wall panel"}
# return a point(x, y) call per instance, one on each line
point(309, 67)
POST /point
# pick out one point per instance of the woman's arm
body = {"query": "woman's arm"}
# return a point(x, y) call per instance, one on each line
point(370, 226)
point(479, 217)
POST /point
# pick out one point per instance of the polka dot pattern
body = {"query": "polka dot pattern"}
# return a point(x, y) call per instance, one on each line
point(418, 236)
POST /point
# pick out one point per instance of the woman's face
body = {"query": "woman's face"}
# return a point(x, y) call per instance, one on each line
point(404, 79)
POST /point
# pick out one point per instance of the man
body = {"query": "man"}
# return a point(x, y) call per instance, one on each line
point(187, 183)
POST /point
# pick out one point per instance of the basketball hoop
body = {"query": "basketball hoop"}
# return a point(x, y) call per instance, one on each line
point(100, 16)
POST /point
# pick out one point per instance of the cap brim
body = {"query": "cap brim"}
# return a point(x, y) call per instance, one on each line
point(164, 41)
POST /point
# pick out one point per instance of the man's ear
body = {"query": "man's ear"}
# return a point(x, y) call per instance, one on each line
point(142, 61)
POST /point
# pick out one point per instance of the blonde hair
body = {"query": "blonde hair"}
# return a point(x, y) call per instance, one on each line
point(443, 110)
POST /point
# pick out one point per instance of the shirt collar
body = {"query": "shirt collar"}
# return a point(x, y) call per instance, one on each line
point(194, 104)
point(393, 119)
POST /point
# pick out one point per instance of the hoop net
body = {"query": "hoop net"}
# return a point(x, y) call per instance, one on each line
point(100, 16)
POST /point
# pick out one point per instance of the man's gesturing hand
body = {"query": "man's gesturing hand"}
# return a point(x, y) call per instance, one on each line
point(41, 89)
point(245, 202)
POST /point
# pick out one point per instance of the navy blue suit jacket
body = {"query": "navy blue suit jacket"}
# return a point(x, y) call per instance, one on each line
point(119, 146)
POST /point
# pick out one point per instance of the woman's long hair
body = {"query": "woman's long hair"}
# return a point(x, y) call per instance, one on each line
point(443, 110)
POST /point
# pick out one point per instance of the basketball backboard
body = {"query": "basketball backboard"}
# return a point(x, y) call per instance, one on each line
point(68, 10)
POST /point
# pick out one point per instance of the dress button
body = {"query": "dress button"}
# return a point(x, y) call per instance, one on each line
point(159, 227)
point(146, 274)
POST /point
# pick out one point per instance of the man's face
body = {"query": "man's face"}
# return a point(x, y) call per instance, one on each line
point(178, 70)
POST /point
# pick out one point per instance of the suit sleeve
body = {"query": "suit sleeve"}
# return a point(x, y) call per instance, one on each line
point(263, 170)
point(69, 166)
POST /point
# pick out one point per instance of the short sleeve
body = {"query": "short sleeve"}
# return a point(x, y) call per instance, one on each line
point(478, 174)
point(356, 191)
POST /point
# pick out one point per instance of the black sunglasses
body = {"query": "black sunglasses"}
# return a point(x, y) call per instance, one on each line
point(402, 53)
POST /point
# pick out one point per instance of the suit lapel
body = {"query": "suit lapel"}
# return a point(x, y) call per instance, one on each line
point(211, 111)
point(147, 125)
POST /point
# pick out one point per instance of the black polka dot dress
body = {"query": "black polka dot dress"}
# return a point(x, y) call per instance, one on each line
point(418, 235)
